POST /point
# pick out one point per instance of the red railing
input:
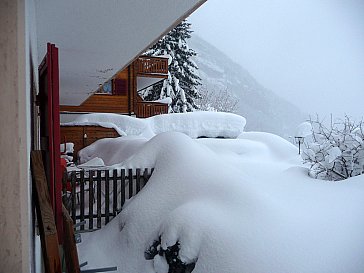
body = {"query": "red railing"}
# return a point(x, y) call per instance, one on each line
point(147, 65)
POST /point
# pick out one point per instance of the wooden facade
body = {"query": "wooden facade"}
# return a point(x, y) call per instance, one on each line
point(123, 97)
point(82, 136)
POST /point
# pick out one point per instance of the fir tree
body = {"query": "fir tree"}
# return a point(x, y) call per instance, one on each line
point(181, 84)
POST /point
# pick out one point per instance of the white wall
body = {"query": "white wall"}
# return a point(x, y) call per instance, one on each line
point(15, 85)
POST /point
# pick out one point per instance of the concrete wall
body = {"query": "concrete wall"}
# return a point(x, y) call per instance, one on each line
point(15, 84)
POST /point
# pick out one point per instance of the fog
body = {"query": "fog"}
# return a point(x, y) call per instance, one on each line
point(310, 52)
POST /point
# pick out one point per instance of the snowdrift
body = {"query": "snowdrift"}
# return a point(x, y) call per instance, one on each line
point(245, 205)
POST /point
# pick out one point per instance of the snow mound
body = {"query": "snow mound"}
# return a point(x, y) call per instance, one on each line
point(125, 124)
point(200, 124)
point(278, 146)
point(193, 124)
point(233, 217)
point(93, 163)
point(111, 150)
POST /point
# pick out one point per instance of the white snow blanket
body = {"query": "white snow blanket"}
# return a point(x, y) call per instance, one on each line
point(111, 150)
point(244, 205)
point(67, 147)
point(124, 125)
point(193, 124)
point(199, 124)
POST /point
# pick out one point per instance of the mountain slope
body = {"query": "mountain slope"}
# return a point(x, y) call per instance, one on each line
point(264, 110)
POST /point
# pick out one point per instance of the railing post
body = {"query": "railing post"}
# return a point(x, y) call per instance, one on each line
point(122, 189)
point(107, 197)
point(82, 198)
point(73, 195)
point(130, 176)
point(98, 201)
point(115, 193)
point(91, 201)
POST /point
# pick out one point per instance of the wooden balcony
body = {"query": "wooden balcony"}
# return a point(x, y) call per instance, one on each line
point(146, 109)
point(147, 66)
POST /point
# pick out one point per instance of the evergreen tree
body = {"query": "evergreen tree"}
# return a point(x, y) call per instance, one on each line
point(181, 84)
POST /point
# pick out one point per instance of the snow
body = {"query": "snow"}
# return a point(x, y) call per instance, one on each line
point(304, 129)
point(67, 147)
point(193, 124)
point(124, 125)
point(234, 205)
point(160, 265)
point(200, 124)
point(167, 100)
point(93, 163)
point(111, 150)
point(332, 154)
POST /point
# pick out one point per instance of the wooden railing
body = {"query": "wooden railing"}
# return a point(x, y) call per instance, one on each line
point(147, 109)
point(152, 66)
point(94, 197)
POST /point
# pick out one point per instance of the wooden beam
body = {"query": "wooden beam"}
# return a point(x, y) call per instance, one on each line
point(46, 221)
point(69, 244)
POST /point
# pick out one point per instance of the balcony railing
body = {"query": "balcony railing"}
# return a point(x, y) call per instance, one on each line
point(152, 66)
point(146, 109)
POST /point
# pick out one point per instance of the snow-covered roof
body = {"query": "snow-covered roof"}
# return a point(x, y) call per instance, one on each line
point(96, 39)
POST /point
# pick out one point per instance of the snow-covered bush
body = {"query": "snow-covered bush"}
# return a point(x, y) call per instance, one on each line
point(167, 260)
point(335, 152)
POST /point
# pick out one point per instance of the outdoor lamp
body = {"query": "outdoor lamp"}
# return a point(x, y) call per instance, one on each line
point(299, 140)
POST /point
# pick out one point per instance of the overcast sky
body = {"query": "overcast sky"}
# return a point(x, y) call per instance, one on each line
point(310, 52)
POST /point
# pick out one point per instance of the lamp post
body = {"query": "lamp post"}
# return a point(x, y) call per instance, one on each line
point(299, 140)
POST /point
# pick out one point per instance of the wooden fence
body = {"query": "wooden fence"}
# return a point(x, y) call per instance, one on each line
point(94, 197)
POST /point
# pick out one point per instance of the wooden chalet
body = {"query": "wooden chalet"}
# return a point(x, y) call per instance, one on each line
point(120, 94)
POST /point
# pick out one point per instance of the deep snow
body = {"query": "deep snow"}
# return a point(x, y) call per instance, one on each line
point(234, 205)
point(194, 124)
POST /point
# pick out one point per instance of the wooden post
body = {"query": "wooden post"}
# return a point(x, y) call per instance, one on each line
point(107, 197)
point(91, 201)
point(114, 193)
point(47, 227)
point(82, 198)
point(69, 244)
point(145, 176)
point(98, 201)
point(122, 190)
point(137, 180)
point(73, 195)
point(130, 175)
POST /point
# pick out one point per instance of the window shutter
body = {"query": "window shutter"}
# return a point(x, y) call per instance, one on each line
point(120, 87)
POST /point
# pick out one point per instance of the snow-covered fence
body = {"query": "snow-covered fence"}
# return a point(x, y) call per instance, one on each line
point(94, 197)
